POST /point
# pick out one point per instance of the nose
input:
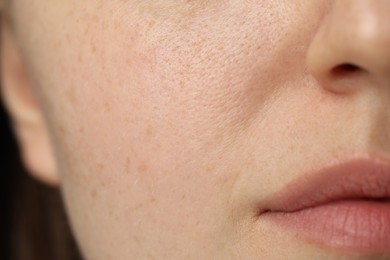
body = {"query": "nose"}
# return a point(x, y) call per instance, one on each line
point(351, 48)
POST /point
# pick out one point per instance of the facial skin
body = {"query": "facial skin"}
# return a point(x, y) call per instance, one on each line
point(170, 123)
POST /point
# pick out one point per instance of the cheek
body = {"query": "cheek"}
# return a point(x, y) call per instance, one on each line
point(153, 116)
point(134, 128)
point(178, 87)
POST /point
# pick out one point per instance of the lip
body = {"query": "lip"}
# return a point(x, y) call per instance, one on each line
point(344, 206)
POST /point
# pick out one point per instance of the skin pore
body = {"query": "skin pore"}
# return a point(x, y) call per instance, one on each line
point(168, 124)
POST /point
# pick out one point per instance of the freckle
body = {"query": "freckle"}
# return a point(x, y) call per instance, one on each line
point(71, 97)
point(67, 38)
point(61, 130)
point(81, 130)
point(177, 169)
point(151, 25)
point(128, 61)
point(109, 82)
point(153, 200)
point(62, 66)
point(100, 166)
point(95, 18)
point(157, 147)
point(143, 168)
point(197, 50)
point(58, 44)
point(128, 164)
point(137, 240)
point(107, 106)
point(116, 25)
point(150, 131)
point(94, 193)
point(78, 144)
point(139, 206)
point(181, 84)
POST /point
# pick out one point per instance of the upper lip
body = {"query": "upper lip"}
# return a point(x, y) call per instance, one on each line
point(356, 179)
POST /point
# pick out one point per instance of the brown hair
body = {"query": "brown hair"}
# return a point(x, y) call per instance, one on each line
point(33, 223)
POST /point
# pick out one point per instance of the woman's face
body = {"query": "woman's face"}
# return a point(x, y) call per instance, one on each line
point(178, 125)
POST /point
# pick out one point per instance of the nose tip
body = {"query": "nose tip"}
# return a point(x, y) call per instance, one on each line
point(352, 43)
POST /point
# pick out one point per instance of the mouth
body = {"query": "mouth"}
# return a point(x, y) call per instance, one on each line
point(344, 206)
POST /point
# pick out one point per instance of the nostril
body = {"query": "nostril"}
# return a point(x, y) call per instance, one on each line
point(346, 69)
point(344, 78)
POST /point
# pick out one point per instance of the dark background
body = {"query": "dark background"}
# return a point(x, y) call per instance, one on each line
point(9, 172)
point(33, 223)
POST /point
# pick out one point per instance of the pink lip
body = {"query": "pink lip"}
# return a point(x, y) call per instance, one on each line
point(344, 206)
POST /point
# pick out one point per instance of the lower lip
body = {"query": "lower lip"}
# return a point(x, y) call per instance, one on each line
point(357, 226)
